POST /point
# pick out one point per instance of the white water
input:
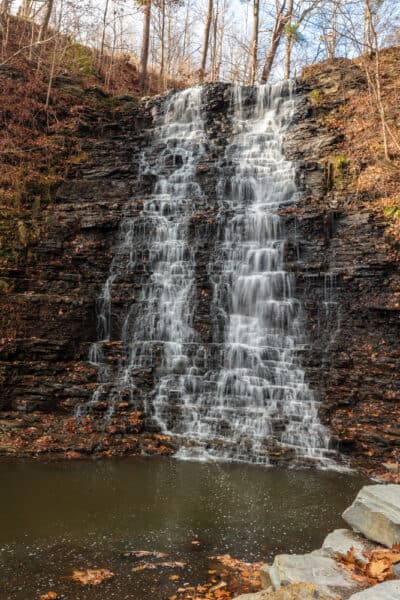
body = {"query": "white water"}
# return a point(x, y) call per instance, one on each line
point(245, 398)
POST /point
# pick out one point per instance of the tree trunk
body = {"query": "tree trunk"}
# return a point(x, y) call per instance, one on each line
point(46, 19)
point(254, 41)
point(282, 18)
point(162, 57)
point(103, 34)
point(5, 7)
point(288, 56)
point(144, 54)
point(206, 40)
point(214, 43)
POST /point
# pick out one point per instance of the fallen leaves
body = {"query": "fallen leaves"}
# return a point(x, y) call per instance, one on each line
point(228, 578)
point(378, 567)
point(91, 576)
point(150, 566)
point(144, 554)
point(49, 596)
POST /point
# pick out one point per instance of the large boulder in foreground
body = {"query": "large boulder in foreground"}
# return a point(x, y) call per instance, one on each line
point(340, 541)
point(314, 569)
point(298, 591)
point(389, 590)
point(376, 513)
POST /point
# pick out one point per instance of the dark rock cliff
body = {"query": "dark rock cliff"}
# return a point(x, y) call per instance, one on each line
point(346, 277)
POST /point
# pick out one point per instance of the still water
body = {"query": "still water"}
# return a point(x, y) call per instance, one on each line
point(57, 517)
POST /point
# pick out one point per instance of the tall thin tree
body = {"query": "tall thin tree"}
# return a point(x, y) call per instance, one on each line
point(254, 41)
point(144, 53)
point(206, 40)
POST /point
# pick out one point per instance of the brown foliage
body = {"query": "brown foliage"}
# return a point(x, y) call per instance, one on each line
point(377, 568)
point(91, 576)
point(229, 578)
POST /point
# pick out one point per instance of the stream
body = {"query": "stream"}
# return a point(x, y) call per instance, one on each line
point(59, 516)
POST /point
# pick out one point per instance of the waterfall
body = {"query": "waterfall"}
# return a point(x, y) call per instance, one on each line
point(244, 397)
point(157, 325)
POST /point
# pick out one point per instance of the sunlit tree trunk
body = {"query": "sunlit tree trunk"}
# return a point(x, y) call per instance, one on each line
point(283, 17)
point(288, 55)
point(46, 20)
point(254, 41)
point(206, 41)
point(144, 54)
point(162, 40)
point(103, 33)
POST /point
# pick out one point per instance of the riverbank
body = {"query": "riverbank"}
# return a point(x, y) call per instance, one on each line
point(361, 563)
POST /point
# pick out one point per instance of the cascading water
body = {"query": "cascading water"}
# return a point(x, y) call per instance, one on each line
point(158, 325)
point(244, 397)
point(261, 397)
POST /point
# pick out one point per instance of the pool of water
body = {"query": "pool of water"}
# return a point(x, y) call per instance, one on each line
point(57, 517)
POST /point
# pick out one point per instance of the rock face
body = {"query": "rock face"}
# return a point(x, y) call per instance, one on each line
point(313, 569)
point(345, 273)
point(376, 513)
point(389, 590)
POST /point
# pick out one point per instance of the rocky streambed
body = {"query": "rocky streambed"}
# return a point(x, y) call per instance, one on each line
point(350, 564)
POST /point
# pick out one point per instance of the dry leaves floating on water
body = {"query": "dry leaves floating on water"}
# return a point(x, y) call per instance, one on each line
point(227, 579)
point(144, 554)
point(91, 576)
point(155, 565)
point(378, 567)
point(49, 596)
point(144, 567)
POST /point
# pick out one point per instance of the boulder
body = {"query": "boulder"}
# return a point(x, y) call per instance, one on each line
point(297, 591)
point(341, 541)
point(389, 590)
point(264, 576)
point(313, 568)
point(376, 513)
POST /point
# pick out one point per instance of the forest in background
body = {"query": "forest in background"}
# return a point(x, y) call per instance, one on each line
point(188, 41)
point(62, 60)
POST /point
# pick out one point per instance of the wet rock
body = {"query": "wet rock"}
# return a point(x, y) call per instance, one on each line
point(341, 541)
point(312, 569)
point(376, 513)
point(388, 590)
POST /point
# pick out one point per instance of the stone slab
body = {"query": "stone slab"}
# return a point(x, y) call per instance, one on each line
point(376, 513)
point(264, 576)
point(311, 568)
point(340, 541)
point(389, 590)
point(298, 591)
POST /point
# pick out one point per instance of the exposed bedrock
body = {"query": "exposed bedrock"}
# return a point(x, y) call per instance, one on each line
point(346, 276)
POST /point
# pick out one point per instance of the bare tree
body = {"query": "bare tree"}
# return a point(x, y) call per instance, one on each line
point(288, 17)
point(144, 54)
point(254, 41)
point(103, 32)
point(284, 12)
point(46, 20)
point(206, 40)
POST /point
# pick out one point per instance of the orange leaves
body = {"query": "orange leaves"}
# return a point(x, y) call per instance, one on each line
point(164, 565)
point(91, 576)
point(378, 567)
point(49, 596)
point(229, 578)
point(144, 554)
